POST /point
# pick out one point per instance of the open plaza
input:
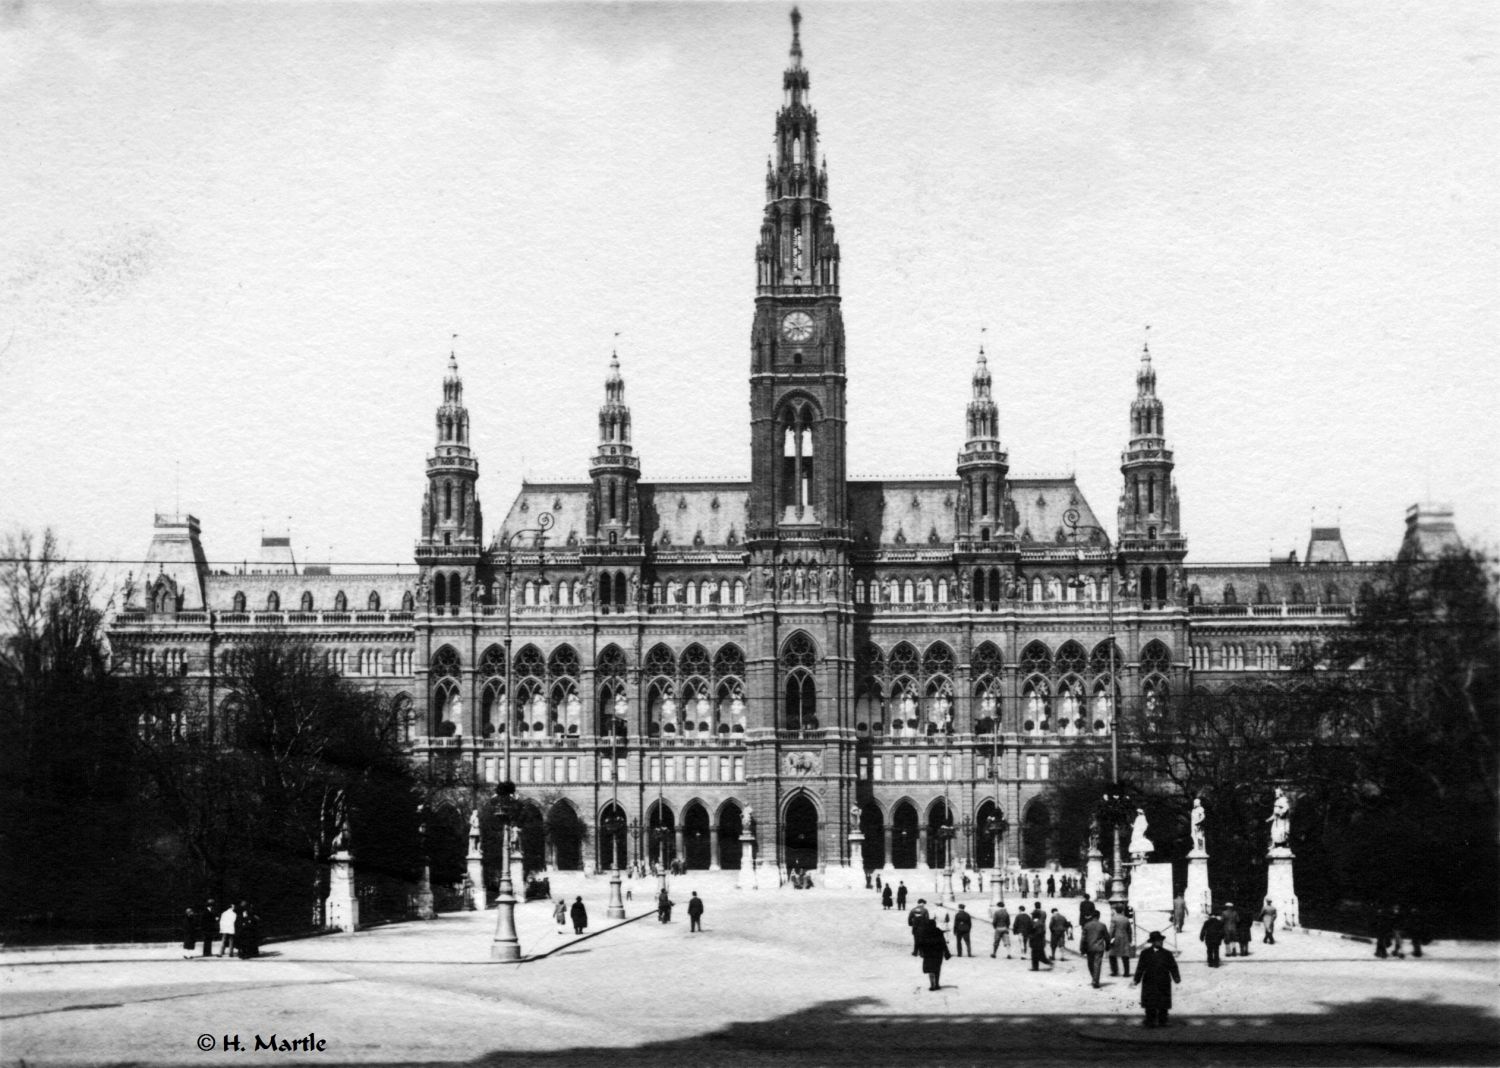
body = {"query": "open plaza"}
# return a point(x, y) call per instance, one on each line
point(819, 976)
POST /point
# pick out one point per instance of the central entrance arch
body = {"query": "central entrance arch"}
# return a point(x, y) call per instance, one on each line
point(904, 836)
point(697, 851)
point(800, 833)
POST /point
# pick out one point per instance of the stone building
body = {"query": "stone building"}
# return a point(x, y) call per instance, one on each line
point(795, 645)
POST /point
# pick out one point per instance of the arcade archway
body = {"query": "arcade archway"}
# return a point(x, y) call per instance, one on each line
point(872, 826)
point(696, 847)
point(800, 834)
point(731, 821)
point(904, 836)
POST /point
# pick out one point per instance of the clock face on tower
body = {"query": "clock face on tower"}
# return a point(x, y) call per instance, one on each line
point(797, 326)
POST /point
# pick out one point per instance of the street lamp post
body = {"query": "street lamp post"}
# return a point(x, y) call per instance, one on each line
point(613, 826)
point(507, 945)
point(996, 826)
point(1117, 895)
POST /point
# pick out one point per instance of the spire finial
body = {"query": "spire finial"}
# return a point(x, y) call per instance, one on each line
point(453, 356)
point(796, 38)
point(1146, 344)
point(982, 331)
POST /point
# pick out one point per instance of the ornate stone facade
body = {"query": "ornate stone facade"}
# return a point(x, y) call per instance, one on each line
point(803, 642)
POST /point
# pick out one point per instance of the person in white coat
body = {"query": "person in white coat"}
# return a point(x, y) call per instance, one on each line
point(228, 921)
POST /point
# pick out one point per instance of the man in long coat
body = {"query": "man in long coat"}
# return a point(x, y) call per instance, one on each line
point(934, 950)
point(1231, 918)
point(695, 913)
point(963, 923)
point(1212, 936)
point(1155, 973)
point(1121, 944)
point(1093, 943)
point(915, 919)
point(579, 914)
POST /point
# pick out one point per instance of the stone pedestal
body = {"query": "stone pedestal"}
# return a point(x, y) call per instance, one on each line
point(476, 875)
point(343, 905)
point(517, 875)
point(1198, 896)
point(1150, 885)
point(1095, 884)
point(1280, 887)
point(425, 909)
point(747, 879)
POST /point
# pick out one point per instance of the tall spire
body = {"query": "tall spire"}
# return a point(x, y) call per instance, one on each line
point(983, 515)
point(1148, 506)
point(983, 414)
point(795, 80)
point(450, 512)
point(613, 507)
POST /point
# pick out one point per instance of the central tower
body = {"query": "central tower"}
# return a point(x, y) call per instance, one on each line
point(797, 419)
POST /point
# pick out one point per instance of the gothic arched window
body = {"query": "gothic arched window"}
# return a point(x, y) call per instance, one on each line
point(307, 601)
point(373, 604)
point(239, 601)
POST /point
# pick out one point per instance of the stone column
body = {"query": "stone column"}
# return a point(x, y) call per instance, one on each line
point(1097, 884)
point(479, 899)
point(1280, 887)
point(747, 879)
point(1198, 896)
point(889, 862)
point(713, 849)
point(922, 864)
point(343, 905)
point(425, 909)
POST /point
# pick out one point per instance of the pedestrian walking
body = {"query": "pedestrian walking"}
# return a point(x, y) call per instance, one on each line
point(189, 931)
point(228, 920)
point(1231, 918)
point(695, 913)
point(1211, 936)
point(247, 940)
point(1384, 926)
point(1022, 930)
point(1051, 886)
point(210, 920)
point(1415, 924)
point(1179, 912)
point(1093, 943)
point(1268, 923)
point(560, 915)
point(914, 919)
point(963, 924)
point(1058, 927)
point(885, 897)
point(1243, 935)
point(1121, 944)
point(933, 947)
point(1087, 910)
point(1155, 973)
point(877, 880)
point(966, 886)
point(1000, 920)
point(1038, 939)
point(663, 908)
point(901, 896)
point(579, 915)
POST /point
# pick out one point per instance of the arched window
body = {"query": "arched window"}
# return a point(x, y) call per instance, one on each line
point(798, 658)
point(373, 604)
point(340, 602)
point(447, 500)
point(307, 601)
point(798, 419)
point(439, 590)
point(1262, 594)
point(239, 601)
point(1229, 594)
point(444, 675)
point(408, 602)
point(1297, 596)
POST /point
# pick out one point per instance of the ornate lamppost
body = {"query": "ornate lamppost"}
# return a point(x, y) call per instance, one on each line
point(1116, 807)
point(1117, 895)
point(506, 945)
point(968, 828)
point(635, 834)
point(613, 825)
point(996, 826)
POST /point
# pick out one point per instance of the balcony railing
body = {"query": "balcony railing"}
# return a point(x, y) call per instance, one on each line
point(1272, 611)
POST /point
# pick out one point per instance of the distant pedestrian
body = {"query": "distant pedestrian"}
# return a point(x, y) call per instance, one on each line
point(915, 919)
point(1243, 936)
point(885, 897)
point(877, 881)
point(1038, 940)
point(1415, 924)
point(966, 886)
point(1000, 920)
point(1231, 918)
point(1179, 912)
point(579, 915)
point(663, 908)
point(1058, 927)
point(1093, 943)
point(248, 938)
point(189, 931)
point(695, 913)
point(1268, 921)
point(1155, 973)
point(210, 920)
point(901, 896)
point(560, 915)
point(228, 921)
point(1087, 910)
point(1121, 944)
point(1051, 886)
point(1211, 936)
point(963, 924)
point(933, 948)
point(1022, 930)
point(1384, 927)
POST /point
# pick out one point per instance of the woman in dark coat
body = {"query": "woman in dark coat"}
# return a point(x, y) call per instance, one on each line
point(579, 914)
point(1155, 972)
point(933, 945)
point(885, 897)
point(189, 930)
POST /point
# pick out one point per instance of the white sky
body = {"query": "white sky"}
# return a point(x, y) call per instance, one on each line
point(237, 239)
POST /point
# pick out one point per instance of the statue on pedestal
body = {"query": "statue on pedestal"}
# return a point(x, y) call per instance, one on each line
point(1280, 820)
point(474, 827)
point(1139, 843)
point(1198, 818)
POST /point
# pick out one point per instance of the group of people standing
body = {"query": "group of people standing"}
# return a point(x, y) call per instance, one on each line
point(237, 928)
point(1226, 926)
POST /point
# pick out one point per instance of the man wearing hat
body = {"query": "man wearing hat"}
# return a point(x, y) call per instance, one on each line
point(1155, 972)
point(915, 919)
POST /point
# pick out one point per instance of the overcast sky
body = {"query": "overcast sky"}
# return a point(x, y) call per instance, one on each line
point(238, 239)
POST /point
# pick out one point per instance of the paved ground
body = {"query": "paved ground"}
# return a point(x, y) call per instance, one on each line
point(819, 977)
